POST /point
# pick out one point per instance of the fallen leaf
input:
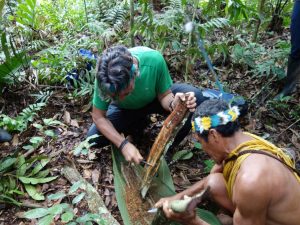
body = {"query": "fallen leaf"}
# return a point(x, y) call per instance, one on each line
point(114, 200)
point(75, 211)
point(295, 141)
point(106, 192)
point(67, 117)
point(86, 107)
point(91, 155)
point(15, 140)
point(87, 174)
point(107, 200)
point(95, 176)
point(74, 123)
point(153, 119)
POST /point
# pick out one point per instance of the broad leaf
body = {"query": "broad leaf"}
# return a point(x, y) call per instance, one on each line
point(9, 67)
point(36, 213)
point(47, 220)
point(78, 198)
point(57, 195)
point(39, 165)
point(43, 173)
point(33, 193)
point(49, 133)
point(21, 166)
point(75, 186)
point(6, 163)
point(182, 155)
point(58, 209)
point(10, 200)
point(27, 180)
point(67, 217)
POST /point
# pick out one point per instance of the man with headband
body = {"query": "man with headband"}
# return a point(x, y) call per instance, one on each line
point(131, 83)
point(253, 179)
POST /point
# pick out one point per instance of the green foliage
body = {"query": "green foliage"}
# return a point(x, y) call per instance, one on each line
point(285, 107)
point(159, 27)
point(26, 13)
point(84, 146)
point(213, 24)
point(42, 96)
point(84, 86)
point(261, 60)
point(236, 9)
point(2, 3)
point(209, 163)
point(63, 211)
point(10, 67)
point(182, 155)
point(61, 16)
point(20, 123)
point(37, 141)
point(16, 172)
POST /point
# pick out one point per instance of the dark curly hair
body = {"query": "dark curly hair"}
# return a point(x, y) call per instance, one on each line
point(212, 107)
point(113, 71)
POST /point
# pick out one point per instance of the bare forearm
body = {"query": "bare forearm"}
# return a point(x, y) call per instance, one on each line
point(108, 130)
point(195, 188)
point(166, 101)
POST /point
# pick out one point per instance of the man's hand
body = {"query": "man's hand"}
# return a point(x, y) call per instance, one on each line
point(131, 153)
point(161, 201)
point(190, 101)
point(186, 218)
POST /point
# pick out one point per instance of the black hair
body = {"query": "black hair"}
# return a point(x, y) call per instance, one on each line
point(212, 107)
point(113, 69)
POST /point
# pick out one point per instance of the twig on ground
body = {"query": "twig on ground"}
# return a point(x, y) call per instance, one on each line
point(288, 127)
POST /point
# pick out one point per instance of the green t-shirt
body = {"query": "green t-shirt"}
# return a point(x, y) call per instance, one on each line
point(154, 79)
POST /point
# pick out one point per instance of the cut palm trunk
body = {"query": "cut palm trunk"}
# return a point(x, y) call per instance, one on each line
point(128, 179)
point(163, 141)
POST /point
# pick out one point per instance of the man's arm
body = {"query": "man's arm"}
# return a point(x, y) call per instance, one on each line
point(129, 151)
point(191, 191)
point(251, 196)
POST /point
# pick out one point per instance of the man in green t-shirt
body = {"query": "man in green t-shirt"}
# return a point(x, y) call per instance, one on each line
point(131, 83)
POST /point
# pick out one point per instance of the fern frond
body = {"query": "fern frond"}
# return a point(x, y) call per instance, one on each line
point(97, 27)
point(42, 96)
point(214, 23)
point(175, 4)
point(28, 113)
point(104, 6)
point(26, 13)
point(38, 45)
point(117, 14)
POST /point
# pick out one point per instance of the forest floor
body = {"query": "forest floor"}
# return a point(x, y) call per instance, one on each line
point(267, 118)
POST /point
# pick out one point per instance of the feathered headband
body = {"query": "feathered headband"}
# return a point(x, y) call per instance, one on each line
point(201, 124)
